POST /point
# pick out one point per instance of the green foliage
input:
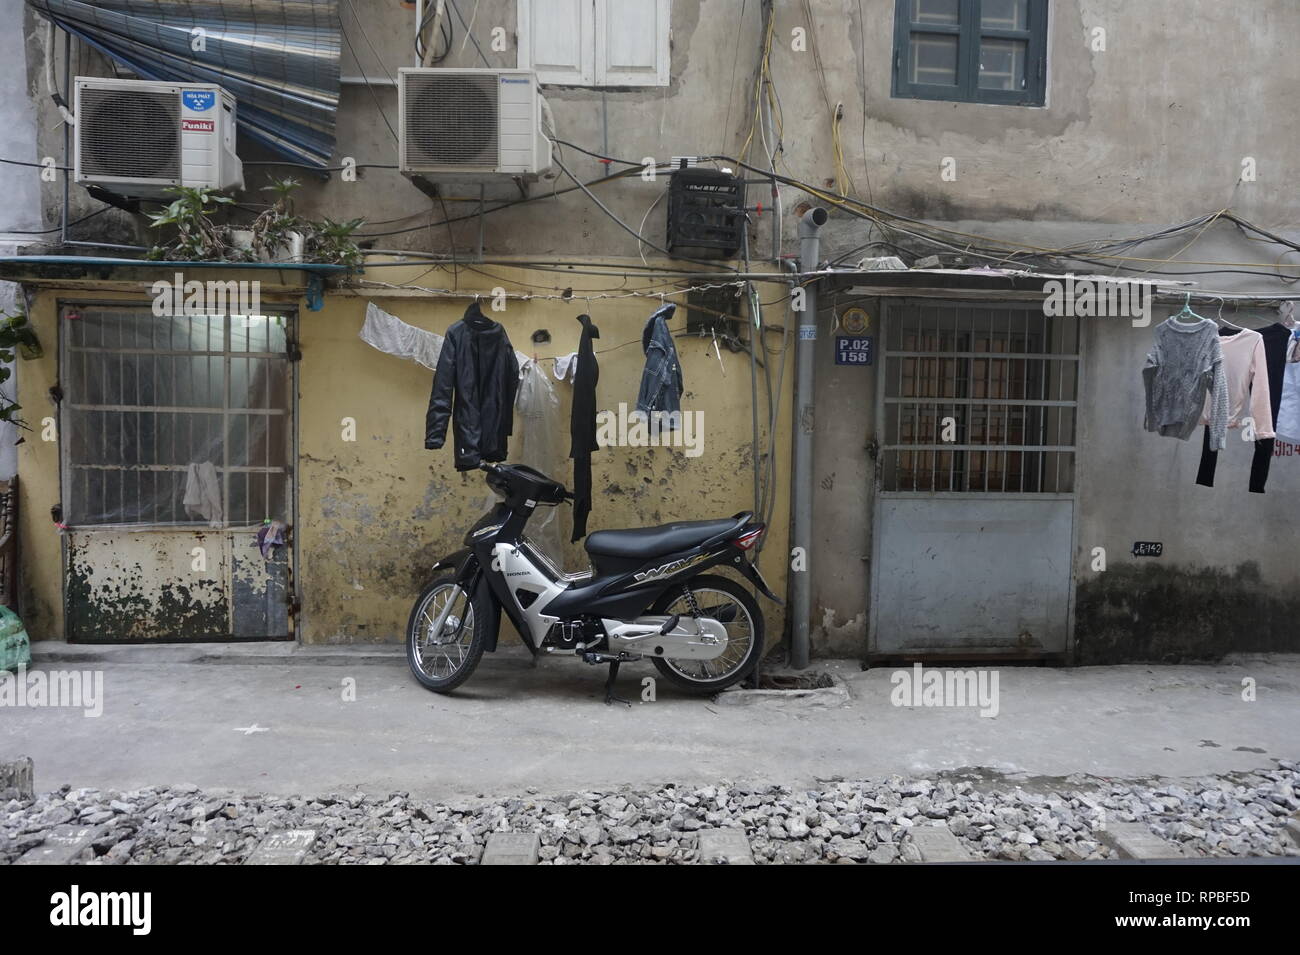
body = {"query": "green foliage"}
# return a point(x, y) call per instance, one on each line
point(14, 333)
point(331, 242)
point(198, 239)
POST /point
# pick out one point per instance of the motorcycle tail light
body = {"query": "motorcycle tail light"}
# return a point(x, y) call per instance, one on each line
point(748, 539)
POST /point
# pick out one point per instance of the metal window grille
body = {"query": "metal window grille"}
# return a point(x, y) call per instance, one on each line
point(979, 400)
point(146, 397)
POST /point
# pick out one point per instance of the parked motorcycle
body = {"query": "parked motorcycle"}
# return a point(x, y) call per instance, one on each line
point(646, 595)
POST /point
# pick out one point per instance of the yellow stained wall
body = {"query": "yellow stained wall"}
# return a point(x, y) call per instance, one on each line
point(39, 540)
point(375, 512)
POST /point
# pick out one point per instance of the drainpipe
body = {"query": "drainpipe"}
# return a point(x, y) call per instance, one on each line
point(801, 591)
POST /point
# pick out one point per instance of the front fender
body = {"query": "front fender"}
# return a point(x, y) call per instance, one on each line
point(469, 577)
point(458, 561)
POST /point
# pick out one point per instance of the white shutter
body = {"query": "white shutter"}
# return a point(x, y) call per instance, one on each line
point(557, 39)
point(632, 42)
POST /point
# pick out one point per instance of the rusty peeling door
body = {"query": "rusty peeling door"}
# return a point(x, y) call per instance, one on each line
point(176, 439)
point(974, 512)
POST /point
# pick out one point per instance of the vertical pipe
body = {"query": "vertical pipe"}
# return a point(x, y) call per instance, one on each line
point(801, 588)
point(67, 132)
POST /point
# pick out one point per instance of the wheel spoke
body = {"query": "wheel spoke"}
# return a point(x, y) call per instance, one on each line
point(434, 651)
point(739, 630)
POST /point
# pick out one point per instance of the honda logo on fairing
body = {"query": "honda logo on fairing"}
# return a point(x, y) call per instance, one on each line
point(667, 570)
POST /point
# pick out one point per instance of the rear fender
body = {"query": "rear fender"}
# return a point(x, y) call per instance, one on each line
point(742, 564)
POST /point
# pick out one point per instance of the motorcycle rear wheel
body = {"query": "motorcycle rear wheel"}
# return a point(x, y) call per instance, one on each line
point(441, 662)
point(745, 634)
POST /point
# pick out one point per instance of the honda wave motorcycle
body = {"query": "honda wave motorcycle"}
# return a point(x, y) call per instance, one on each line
point(646, 595)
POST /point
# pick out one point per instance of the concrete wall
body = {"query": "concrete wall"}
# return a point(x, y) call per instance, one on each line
point(374, 513)
point(1228, 579)
point(1150, 132)
point(19, 206)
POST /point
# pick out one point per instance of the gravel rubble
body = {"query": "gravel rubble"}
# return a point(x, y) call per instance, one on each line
point(862, 821)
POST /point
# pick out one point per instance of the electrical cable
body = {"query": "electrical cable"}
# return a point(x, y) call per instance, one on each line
point(34, 165)
point(456, 10)
point(84, 218)
point(623, 225)
point(507, 204)
point(445, 30)
point(1007, 253)
point(364, 78)
point(641, 229)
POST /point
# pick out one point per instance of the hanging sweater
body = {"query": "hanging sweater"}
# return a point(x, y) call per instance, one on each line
point(1184, 366)
point(1245, 365)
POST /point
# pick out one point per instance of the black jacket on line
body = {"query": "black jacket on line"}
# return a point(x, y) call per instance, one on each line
point(474, 387)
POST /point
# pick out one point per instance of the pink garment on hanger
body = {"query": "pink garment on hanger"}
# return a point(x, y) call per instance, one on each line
point(1246, 368)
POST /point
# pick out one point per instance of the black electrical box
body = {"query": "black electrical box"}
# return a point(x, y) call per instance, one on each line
point(706, 213)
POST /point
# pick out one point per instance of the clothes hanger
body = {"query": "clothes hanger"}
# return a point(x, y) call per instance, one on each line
point(718, 352)
point(1224, 321)
point(1187, 310)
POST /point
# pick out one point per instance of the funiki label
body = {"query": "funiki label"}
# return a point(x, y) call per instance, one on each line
point(198, 101)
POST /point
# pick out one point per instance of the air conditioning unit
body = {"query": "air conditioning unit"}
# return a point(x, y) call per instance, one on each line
point(139, 137)
point(471, 125)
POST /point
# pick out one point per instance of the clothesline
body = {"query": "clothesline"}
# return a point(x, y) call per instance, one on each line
point(561, 297)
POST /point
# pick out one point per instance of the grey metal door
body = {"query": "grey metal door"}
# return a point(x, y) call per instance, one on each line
point(974, 504)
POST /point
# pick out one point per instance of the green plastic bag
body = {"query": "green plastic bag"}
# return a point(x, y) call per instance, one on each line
point(15, 649)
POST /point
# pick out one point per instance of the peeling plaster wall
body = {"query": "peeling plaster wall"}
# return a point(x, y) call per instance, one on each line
point(1229, 576)
point(39, 541)
point(377, 512)
point(1150, 133)
point(1153, 130)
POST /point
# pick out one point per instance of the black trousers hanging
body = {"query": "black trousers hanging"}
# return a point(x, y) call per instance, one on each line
point(582, 423)
point(1259, 465)
point(581, 495)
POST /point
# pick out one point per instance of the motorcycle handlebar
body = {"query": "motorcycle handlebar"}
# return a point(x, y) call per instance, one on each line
point(491, 468)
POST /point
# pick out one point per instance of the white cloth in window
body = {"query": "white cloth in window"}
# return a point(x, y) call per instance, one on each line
point(203, 493)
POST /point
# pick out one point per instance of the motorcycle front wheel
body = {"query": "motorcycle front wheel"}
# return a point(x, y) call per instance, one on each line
point(731, 605)
point(444, 637)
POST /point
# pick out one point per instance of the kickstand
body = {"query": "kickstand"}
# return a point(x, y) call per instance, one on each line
point(609, 687)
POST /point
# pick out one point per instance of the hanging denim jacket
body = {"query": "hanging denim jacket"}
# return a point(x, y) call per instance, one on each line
point(660, 396)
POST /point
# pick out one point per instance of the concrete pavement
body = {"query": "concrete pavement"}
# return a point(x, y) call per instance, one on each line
point(284, 719)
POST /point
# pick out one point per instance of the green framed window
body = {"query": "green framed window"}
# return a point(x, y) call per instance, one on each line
point(971, 51)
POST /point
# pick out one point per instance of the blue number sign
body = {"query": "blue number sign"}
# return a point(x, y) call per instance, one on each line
point(853, 350)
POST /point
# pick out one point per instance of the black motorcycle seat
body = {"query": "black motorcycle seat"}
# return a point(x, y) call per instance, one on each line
point(654, 541)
